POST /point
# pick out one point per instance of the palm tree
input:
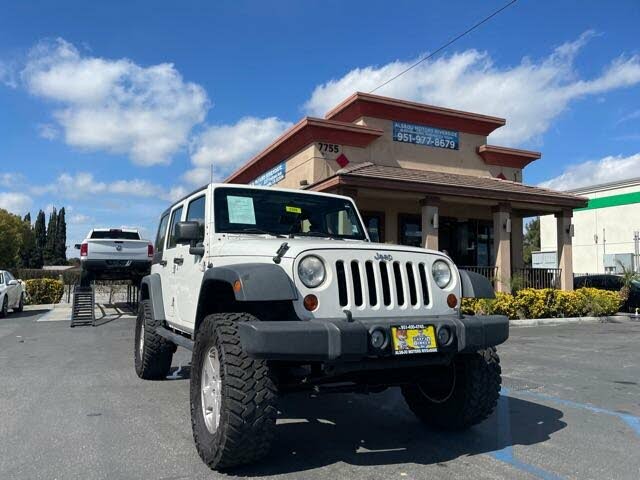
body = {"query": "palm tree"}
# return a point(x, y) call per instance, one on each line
point(628, 277)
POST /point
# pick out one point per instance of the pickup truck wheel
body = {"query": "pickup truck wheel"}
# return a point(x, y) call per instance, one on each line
point(152, 353)
point(467, 397)
point(233, 396)
point(20, 306)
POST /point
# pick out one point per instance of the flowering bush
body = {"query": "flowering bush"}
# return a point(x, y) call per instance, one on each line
point(546, 303)
point(43, 291)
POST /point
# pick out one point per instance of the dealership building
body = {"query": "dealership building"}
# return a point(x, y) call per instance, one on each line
point(606, 231)
point(423, 176)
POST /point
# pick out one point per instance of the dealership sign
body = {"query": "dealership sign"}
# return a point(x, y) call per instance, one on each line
point(271, 176)
point(424, 135)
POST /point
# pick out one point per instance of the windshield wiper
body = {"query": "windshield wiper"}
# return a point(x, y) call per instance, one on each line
point(256, 230)
point(321, 234)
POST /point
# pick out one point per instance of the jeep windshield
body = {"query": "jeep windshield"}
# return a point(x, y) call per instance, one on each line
point(252, 211)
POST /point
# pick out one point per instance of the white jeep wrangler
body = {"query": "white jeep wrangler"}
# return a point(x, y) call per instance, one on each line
point(277, 291)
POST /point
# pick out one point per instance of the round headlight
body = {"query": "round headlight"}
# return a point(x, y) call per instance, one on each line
point(441, 272)
point(311, 271)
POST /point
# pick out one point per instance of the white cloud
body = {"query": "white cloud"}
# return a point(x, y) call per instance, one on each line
point(116, 105)
point(229, 146)
point(48, 131)
point(7, 75)
point(11, 180)
point(529, 95)
point(84, 184)
point(15, 202)
point(593, 172)
point(629, 116)
point(79, 219)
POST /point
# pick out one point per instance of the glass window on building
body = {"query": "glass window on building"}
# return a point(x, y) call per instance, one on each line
point(410, 230)
point(374, 223)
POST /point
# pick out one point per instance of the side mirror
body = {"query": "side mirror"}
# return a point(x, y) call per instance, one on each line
point(187, 232)
point(12, 283)
point(77, 246)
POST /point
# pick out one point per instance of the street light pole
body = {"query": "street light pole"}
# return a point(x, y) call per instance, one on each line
point(636, 247)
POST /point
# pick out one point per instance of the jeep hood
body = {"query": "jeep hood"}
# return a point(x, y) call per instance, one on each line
point(267, 247)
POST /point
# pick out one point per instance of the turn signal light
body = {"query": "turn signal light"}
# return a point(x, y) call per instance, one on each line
point(452, 301)
point(310, 302)
point(84, 249)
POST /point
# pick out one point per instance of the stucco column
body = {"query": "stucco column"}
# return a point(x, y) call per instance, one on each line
point(430, 217)
point(565, 249)
point(517, 240)
point(502, 246)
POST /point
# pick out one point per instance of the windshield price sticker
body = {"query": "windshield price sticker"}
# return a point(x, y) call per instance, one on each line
point(424, 135)
point(294, 209)
point(241, 210)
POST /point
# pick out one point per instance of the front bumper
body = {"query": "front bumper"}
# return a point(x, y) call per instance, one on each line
point(339, 340)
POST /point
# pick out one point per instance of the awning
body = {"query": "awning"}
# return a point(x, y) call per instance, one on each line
point(369, 175)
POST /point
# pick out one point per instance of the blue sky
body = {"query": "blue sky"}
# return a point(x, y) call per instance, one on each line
point(113, 108)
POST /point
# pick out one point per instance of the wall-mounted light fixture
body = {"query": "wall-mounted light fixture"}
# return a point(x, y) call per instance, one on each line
point(434, 220)
point(570, 230)
point(507, 225)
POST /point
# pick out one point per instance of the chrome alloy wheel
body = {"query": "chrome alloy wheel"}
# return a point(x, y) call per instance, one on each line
point(210, 388)
point(141, 342)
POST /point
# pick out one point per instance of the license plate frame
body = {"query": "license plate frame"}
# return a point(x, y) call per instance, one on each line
point(409, 339)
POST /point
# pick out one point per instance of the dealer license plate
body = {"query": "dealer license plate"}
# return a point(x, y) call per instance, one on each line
point(413, 339)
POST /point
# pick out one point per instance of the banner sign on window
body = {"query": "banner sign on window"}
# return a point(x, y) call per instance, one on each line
point(271, 177)
point(424, 135)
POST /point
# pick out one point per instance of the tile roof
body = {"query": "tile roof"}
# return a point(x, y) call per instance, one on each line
point(458, 184)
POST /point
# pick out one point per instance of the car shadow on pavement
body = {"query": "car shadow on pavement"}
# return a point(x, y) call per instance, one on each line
point(379, 429)
point(27, 313)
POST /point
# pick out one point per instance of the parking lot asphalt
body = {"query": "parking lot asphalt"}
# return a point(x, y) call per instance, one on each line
point(72, 407)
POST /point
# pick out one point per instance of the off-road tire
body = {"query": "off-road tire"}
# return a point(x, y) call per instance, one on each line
point(20, 306)
point(473, 398)
point(4, 308)
point(157, 352)
point(248, 397)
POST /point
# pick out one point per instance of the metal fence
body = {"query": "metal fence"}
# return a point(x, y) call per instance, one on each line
point(536, 277)
point(489, 272)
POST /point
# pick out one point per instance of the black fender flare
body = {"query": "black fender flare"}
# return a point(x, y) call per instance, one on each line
point(152, 285)
point(475, 285)
point(253, 282)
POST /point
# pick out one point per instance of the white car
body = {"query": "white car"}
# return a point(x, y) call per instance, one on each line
point(115, 254)
point(11, 294)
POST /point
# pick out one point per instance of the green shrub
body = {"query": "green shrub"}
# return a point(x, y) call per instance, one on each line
point(43, 291)
point(546, 303)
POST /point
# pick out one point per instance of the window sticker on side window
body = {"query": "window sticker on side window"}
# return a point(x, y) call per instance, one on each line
point(241, 210)
point(294, 209)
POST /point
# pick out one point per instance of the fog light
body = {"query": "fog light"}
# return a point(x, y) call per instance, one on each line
point(378, 339)
point(444, 335)
point(310, 302)
point(452, 300)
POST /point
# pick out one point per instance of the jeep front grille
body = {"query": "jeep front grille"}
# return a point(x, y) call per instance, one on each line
point(372, 283)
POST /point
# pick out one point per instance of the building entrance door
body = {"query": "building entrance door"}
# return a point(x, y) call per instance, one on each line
point(467, 241)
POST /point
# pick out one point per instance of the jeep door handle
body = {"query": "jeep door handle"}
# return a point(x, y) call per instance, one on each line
point(178, 260)
point(163, 263)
